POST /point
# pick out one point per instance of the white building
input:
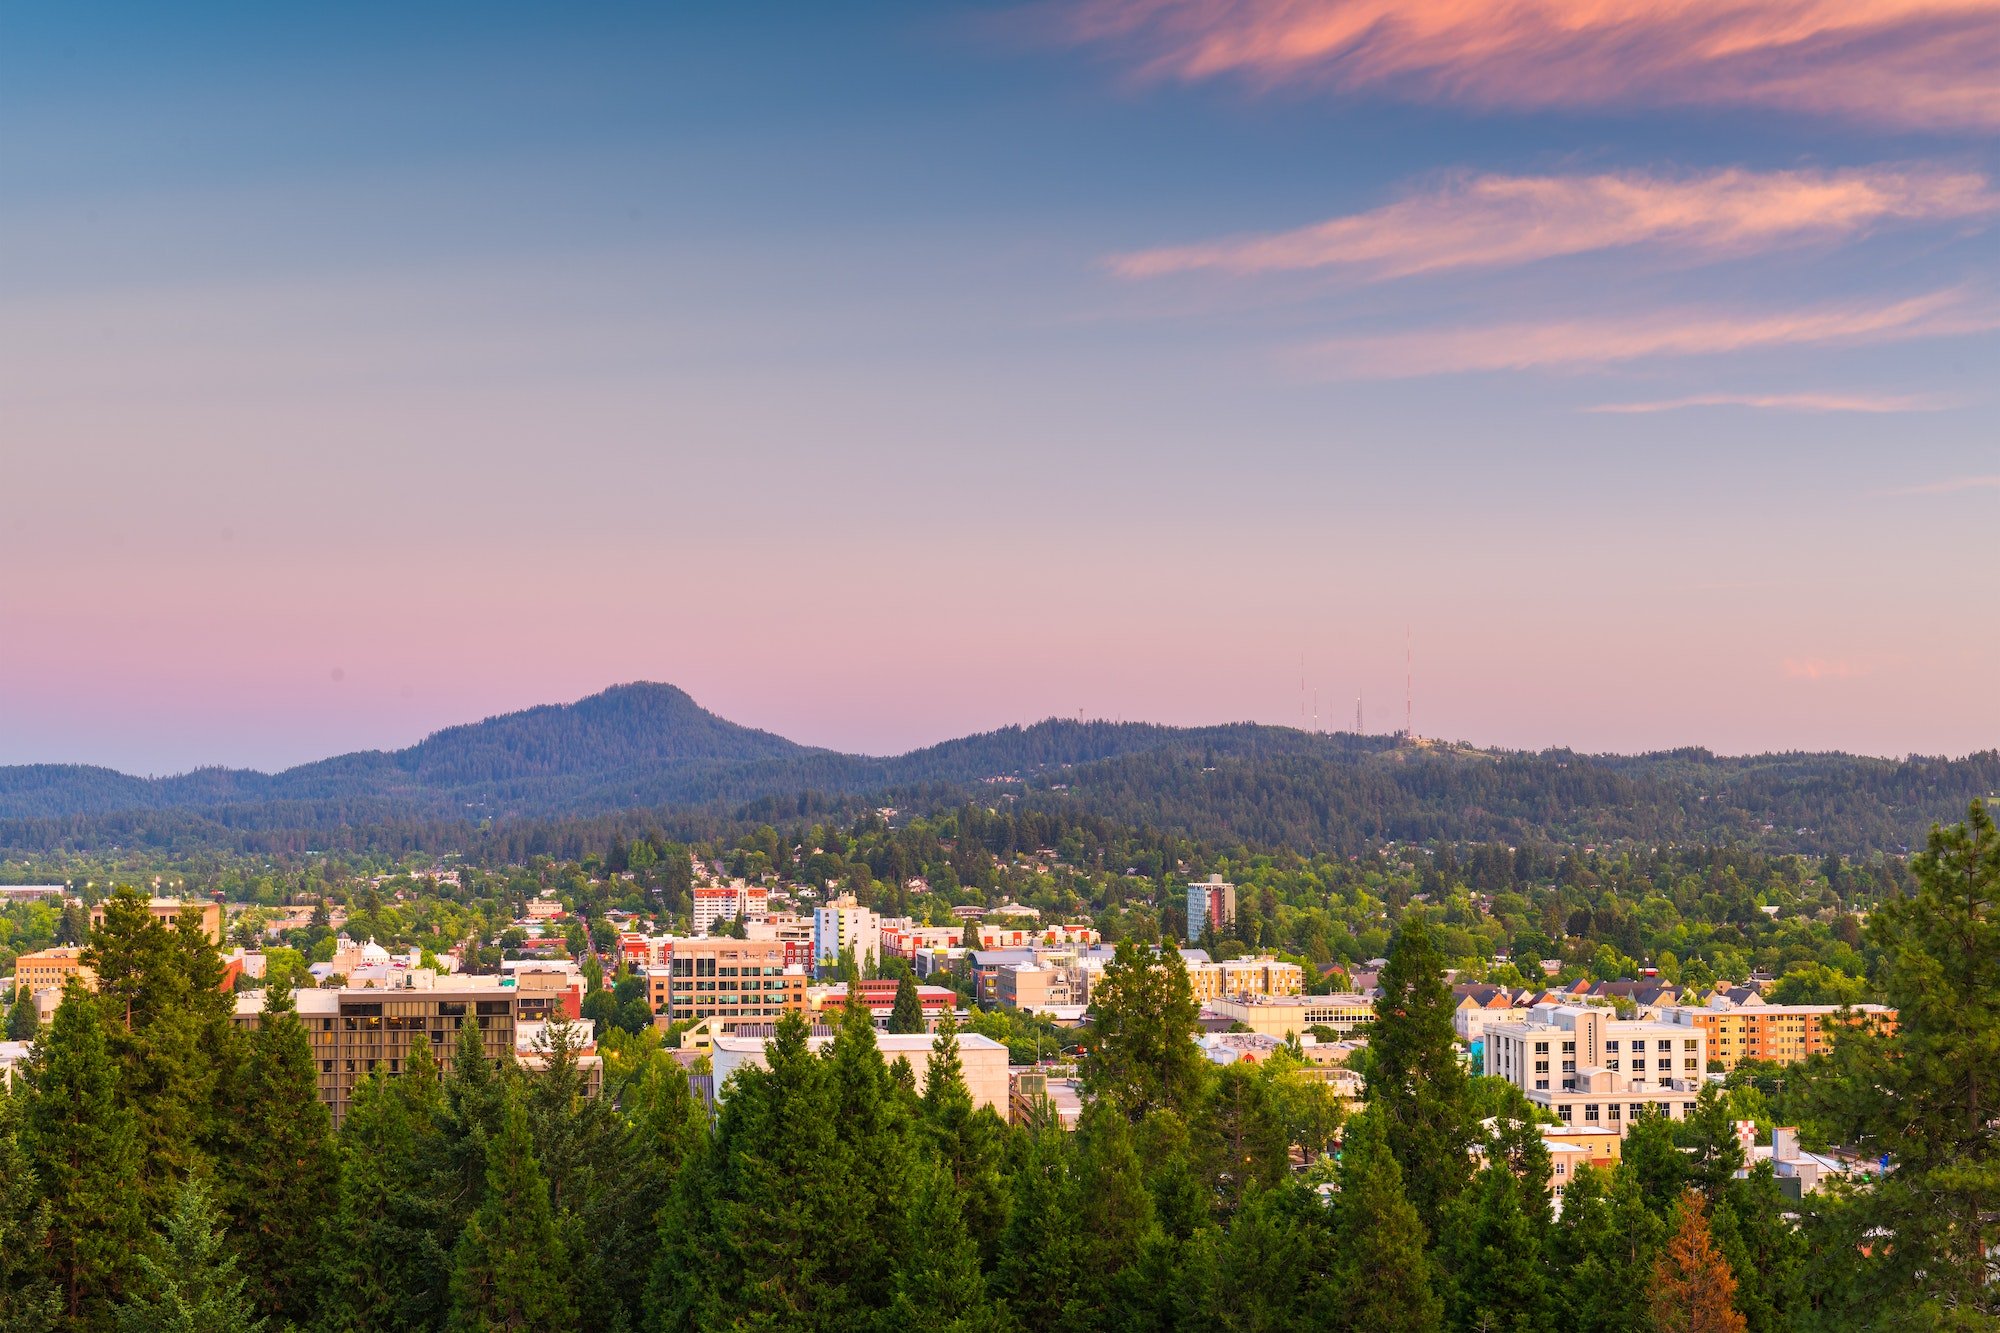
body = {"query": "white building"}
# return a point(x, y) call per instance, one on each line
point(844, 924)
point(1594, 1069)
point(730, 903)
point(984, 1061)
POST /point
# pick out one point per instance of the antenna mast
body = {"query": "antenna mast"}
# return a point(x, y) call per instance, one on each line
point(1409, 684)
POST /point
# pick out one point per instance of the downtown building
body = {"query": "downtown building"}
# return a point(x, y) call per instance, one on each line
point(1592, 1068)
point(1211, 905)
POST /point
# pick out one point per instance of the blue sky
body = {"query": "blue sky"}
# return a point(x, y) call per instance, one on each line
point(881, 372)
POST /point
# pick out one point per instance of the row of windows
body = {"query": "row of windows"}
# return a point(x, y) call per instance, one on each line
point(1614, 1110)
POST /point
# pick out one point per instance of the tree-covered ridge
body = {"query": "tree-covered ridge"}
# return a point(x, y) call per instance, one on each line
point(649, 747)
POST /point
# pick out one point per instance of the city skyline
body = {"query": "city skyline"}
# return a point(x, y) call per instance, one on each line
point(886, 376)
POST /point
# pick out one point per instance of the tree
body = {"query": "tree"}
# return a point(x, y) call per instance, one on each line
point(908, 1014)
point(284, 1155)
point(29, 1302)
point(1143, 1014)
point(1494, 1253)
point(510, 1270)
point(1040, 1271)
point(1382, 1275)
point(970, 1140)
point(191, 1285)
point(23, 1020)
point(83, 1148)
point(1693, 1290)
point(939, 1284)
point(1414, 1074)
point(1928, 1094)
point(1603, 1247)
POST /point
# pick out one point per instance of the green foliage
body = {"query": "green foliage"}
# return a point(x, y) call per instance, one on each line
point(1384, 1276)
point(29, 1302)
point(511, 1269)
point(1415, 1077)
point(191, 1285)
point(908, 1014)
point(23, 1020)
point(1142, 1018)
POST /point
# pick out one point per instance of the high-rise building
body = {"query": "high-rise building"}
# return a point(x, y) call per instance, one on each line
point(728, 903)
point(845, 925)
point(1211, 903)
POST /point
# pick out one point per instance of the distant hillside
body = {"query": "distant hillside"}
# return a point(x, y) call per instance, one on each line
point(649, 747)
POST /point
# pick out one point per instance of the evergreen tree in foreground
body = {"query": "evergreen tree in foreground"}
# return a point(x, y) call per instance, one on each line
point(192, 1285)
point(28, 1299)
point(510, 1270)
point(939, 1284)
point(1415, 1077)
point(908, 1014)
point(23, 1020)
point(1143, 1016)
point(83, 1148)
point(1384, 1274)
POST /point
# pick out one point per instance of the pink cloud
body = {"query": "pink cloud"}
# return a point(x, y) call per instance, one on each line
point(1780, 402)
point(1920, 63)
point(1588, 342)
point(1485, 221)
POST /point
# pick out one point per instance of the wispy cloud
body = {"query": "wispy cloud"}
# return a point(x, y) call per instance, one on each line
point(1781, 402)
point(1820, 668)
point(1951, 487)
point(1918, 63)
point(1491, 220)
point(1605, 341)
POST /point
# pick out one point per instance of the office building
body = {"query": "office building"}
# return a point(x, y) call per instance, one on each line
point(729, 903)
point(49, 969)
point(1296, 1015)
point(726, 978)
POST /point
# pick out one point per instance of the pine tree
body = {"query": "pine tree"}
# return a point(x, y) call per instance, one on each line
point(1603, 1247)
point(1693, 1290)
point(23, 1020)
point(1927, 1095)
point(473, 1090)
point(285, 1155)
point(389, 1271)
point(192, 1284)
point(83, 1148)
point(908, 1014)
point(1415, 1077)
point(939, 1284)
point(29, 1302)
point(1268, 1275)
point(1040, 1272)
point(971, 1140)
point(1383, 1276)
point(875, 1150)
point(1143, 1016)
point(1766, 1251)
point(1493, 1255)
point(510, 1269)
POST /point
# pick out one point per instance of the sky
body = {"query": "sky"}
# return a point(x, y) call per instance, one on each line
point(1620, 373)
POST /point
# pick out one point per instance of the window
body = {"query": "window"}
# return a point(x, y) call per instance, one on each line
point(326, 1066)
point(1541, 1048)
point(1541, 1085)
point(1638, 1046)
point(1590, 1112)
point(1563, 1111)
point(1613, 1046)
point(1541, 1066)
point(1611, 1111)
point(1569, 1048)
point(1562, 1168)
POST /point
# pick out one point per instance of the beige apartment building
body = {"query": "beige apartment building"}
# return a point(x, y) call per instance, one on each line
point(1592, 1068)
point(50, 969)
point(1032, 986)
point(719, 977)
point(168, 910)
point(1750, 1029)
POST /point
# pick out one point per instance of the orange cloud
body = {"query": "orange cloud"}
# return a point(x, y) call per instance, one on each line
point(1484, 221)
point(1588, 342)
point(1781, 402)
point(1918, 63)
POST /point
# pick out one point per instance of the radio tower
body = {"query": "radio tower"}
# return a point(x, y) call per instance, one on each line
point(1409, 684)
point(1357, 716)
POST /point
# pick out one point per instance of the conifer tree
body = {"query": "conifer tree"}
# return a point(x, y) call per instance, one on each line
point(1117, 1210)
point(1693, 1290)
point(1603, 1247)
point(1927, 1096)
point(971, 1140)
point(510, 1269)
point(1766, 1250)
point(83, 1148)
point(1143, 1016)
point(1040, 1272)
point(473, 1090)
point(1269, 1272)
point(191, 1285)
point(1383, 1276)
point(908, 1014)
point(939, 1284)
point(28, 1299)
point(875, 1148)
point(285, 1156)
point(388, 1269)
point(1415, 1077)
point(23, 1020)
point(1493, 1255)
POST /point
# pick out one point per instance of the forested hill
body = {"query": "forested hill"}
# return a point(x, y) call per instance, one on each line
point(651, 748)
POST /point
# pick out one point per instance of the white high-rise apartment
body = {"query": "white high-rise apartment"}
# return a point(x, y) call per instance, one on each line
point(729, 903)
point(844, 924)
